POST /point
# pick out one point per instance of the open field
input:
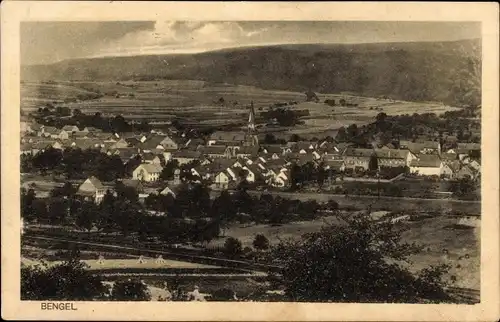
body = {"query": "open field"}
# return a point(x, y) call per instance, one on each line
point(437, 235)
point(197, 101)
point(150, 263)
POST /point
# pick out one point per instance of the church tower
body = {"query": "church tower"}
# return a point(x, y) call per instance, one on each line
point(251, 136)
point(251, 119)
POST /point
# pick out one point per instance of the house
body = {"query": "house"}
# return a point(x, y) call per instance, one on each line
point(177, 177)
point(71, 128)
point(193, 143)
point(247, 151)
point(334, 165)
point(138, 136)
point(216, 151)
point(421, 147)
point(121, 143)
point(469, 147)
point(222, 179)
point(273, 149)
point(449, 157)
point(303, 147)
point(80, 135)
point(326, 147)
point(447, 170)
point(475, 165)
point(466, 172)
point(91, 189)
point(357, 158)
point(85, 144)
point(167, 191)
point(27, 149)
point(185, 156)
point(125, 154)
point(50, 132)
point(147, 172)
point(168, 143)
point(61, 135)
point(202, 172)
point(427, 165)
point(393, 157)
point(57, 145)
point(105, 137)
point(133, 142)
point(150, 158)
point(279, 180)
point(222, 137)
point(253, 172)
point(388, 146)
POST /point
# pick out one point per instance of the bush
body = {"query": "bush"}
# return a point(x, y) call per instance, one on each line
point(130, 290)
point(261, 242)
point(223, 294)
point(232, 247)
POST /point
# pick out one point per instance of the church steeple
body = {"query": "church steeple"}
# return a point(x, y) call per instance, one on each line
point(251, 138)
point(251, 118)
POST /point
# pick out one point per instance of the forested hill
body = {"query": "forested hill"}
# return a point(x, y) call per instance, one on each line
point(449, 72)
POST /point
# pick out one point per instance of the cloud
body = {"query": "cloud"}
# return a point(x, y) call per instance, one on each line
point(180, 37)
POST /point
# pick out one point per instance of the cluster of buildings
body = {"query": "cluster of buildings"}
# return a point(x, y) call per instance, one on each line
point(226, 158)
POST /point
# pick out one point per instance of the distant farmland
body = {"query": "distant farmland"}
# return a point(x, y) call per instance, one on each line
point(206, 103)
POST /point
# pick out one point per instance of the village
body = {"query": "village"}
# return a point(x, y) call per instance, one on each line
point(163, 158)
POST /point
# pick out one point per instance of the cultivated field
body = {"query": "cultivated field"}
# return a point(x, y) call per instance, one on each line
point(198, 101)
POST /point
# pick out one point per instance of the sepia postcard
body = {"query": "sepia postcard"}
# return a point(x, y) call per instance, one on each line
point(249, 161)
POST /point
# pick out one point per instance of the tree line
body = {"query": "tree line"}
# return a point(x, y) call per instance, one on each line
point(75, 163)
point(112, 124)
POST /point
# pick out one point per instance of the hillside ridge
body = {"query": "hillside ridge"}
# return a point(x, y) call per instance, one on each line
point(425, 71)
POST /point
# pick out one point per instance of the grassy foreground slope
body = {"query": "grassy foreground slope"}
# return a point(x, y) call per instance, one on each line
point(448, 72)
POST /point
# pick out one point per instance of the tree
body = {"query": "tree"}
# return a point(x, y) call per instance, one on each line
point(356, 262)
point(294, 138)
point(27, 200)
point(130, 290)
point(40, 209)
point(321, 175)
point(232, 247)
point(462, 187)
point(86, 215)
point(126, 193)
point(58, 211)
point(68, 281)
point(341, 135)
point(67, 190)
point(260, 242)
point(168, 171)
point(223, 294)
point(269, 138)
point(223, 210)
point(77, 112)
point(373, 163)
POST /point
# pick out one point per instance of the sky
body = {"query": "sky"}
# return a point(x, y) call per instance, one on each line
point(49, 42)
